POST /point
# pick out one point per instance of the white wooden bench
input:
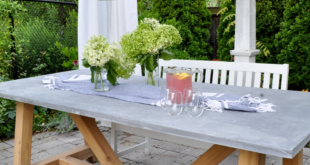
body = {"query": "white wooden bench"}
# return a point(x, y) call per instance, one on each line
point(256, 75)
point(236, 74)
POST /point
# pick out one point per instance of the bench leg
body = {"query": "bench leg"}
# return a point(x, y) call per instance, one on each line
point(114, 137)
point(148, 145)
point(297, 160)
point(96, 141)
point(251, 158)
point(214, 155)
point(279, 160)
point(23, 134)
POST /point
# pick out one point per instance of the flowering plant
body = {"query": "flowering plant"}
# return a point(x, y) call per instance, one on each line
point(148, 42)
point(98, 55)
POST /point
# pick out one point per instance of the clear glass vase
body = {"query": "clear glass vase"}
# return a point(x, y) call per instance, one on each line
point(152, 78)
point(100, 81)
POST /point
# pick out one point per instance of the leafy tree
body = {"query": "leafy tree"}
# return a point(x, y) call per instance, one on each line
point(192, 19)
point(293, 43)
point(226, 30)
point(145, 9)
point(269, 16)
point(8, 10)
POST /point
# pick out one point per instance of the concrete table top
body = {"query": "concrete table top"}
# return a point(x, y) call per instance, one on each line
point(282, 134)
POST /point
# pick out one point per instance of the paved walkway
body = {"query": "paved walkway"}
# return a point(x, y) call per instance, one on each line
point(45, 145)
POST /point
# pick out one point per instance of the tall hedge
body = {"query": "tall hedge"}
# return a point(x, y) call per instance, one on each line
point(268, 18)
point(193, 19)
point(226, 30)
point(293, 43)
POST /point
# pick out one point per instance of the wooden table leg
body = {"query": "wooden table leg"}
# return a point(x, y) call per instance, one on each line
point(251, 158)
point(214, 155)
point(96, 141)
point(23, 134)
point(297, 160)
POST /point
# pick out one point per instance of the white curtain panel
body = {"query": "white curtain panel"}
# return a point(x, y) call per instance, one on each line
point(111, 19)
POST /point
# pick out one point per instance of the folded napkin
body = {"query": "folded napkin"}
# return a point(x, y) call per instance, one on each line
point(77, 77)
point(218, 102)
point(137, 93)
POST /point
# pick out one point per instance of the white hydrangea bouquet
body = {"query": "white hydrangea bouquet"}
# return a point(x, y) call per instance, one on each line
point(100, 55)
point(148, 42)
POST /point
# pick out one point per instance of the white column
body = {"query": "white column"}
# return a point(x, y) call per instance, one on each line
point(245, 33)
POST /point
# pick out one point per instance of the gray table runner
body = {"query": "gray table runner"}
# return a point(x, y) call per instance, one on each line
point(137, 93)
point(151, 95)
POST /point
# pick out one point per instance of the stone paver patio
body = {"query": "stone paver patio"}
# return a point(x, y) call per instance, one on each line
point(47, 144)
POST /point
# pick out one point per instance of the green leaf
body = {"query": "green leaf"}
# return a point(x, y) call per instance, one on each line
point(111, 76)
point(85, 63)
point(166, 55)
point(150, 64)
point(92, 69)
point(9, 133)
point(11, 114)
point(143, 60)
point(112, 64)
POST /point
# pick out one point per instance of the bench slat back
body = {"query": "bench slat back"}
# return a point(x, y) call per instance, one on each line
point(274, 76)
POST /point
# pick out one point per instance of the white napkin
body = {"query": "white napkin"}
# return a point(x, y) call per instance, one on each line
point(78, 77)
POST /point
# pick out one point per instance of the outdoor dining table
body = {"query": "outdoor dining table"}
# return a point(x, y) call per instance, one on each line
point(283, 133)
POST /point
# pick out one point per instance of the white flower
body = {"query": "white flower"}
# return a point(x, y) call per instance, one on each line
point(154, 23)
point(98, 52)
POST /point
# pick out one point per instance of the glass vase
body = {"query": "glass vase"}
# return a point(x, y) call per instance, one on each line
point(100, 81)
point(152, 78)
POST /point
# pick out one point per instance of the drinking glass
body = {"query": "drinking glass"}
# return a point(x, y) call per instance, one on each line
point(174, 103)
point(164, 95)
point(193, 105)
point(187, 92)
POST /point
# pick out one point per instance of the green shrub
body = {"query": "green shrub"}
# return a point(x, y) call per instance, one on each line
point(8, 10)
point(7, 117)
point(269, 16)
point(145, 8)
point(192, 19)
point(38, 48)
point(226, 30)
point(293, 44)
point(36, 31)
point(184, 55)
point(71, 55)
point(68, 34)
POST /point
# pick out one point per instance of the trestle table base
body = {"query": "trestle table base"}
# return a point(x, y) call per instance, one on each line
point(97, 147)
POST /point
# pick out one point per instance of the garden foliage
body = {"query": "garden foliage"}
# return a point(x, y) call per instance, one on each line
point(269, 17)
point(145, 10)
point(293, 43)
point(28, 33)
point(71, 54)
point(192, 18)
point(8, 10)
point(37, 30)
point(226, 30)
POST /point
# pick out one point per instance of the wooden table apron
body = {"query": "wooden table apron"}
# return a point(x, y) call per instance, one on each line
point(29, 91)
